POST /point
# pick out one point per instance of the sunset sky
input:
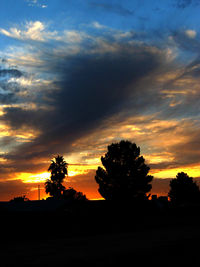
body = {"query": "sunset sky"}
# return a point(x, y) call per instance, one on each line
point(77, 75)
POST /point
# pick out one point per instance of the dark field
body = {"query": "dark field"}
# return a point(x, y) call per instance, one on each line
point(101, 235)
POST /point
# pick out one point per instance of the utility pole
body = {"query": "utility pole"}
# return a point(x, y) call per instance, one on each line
point(38, 192)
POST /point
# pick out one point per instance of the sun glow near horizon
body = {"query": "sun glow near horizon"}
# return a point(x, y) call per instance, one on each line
point(40, 177)
point(193, 171)
point(81, 178)
point(76, 170)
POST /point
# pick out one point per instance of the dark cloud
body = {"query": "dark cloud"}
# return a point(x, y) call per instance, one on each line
point(183, 3)
point(7, 98)
point(10, 72)
point(184, 153)
point(188, 152)
point(114, 8)
point(14, 168)
point(165, 165)
point(192, 70)
point(92, 87)
point(8, 89)
point(18, 117)
point(3, 60)
point(7, 141)
point(183, 91)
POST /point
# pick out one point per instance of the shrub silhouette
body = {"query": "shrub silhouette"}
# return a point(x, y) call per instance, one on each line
point(183, 189)
point(58, 168)
point(125, 174)
point(72, 195)
point(19, 199)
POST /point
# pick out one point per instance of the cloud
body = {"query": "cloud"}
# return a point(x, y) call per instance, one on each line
point(4, 73)
point(34, 30)
point(105, 90)
point(185, 41)
point(90, 87)
point(191, 33)
point(182, 91)
point(165, 144)
point(114, 8)
point(183, 3)
point(188, 151)
point(72, 36)
point(176, 146)
point(37, 32)
point(8, 90)
point(97, 25)
point(35, 3)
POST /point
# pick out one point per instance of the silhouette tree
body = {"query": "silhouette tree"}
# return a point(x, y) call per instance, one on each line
point(58, 169)
point(125, 174)
point(183, 189)
point(73, 195)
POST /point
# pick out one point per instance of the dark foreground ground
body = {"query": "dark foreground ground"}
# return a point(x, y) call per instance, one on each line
point(100, 235)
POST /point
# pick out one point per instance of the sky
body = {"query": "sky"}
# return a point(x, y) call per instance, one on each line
point(76, 76)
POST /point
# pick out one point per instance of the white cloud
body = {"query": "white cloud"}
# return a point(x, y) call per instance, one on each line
point(97, 25)
point(191, 33)
point(35, 3)
point(12, 33)
point(34, 30)
point(37, 31)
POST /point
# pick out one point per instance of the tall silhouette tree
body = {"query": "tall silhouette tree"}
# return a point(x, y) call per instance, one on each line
point(183, 189)
point(58, 169)
point(125, 174)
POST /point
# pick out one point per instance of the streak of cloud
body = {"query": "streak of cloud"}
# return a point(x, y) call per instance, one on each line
point(114, 8)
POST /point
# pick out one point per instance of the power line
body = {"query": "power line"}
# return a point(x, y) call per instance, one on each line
point(38, 192)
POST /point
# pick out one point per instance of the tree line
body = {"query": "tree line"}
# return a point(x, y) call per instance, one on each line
point(123, 177)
